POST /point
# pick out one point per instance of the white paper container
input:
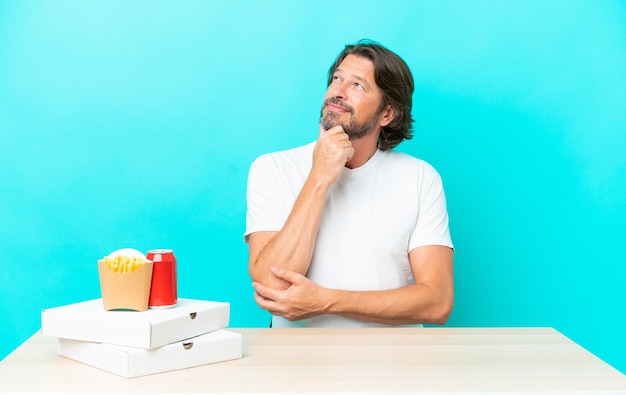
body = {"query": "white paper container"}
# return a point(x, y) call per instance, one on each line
point(88, 321)
point(218, 346)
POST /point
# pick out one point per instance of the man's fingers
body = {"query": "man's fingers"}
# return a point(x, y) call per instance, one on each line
point(338, 137)
point(337, 129)
point(266, 304)
point(286, 274)
point(263, 291)
point(350, 153)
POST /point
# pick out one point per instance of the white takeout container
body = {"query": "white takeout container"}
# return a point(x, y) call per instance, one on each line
point(217, 346)
point(88, 321)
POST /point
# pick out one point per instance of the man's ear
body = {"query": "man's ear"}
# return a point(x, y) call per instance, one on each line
point(387, 116)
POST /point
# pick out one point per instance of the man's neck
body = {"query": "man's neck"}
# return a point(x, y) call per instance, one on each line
point(364, 149)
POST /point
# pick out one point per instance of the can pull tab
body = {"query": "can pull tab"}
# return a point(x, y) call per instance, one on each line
point(187, 346)
point(193, 315)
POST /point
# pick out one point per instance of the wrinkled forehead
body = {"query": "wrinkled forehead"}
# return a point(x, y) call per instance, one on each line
point(358, 68)
point(356, 64)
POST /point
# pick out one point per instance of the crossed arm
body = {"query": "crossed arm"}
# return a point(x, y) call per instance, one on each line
point(429, 300)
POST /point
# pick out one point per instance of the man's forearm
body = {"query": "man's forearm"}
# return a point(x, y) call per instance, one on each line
point(292, 247)
point(413, 304)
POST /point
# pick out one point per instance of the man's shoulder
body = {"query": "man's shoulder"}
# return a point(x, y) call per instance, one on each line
point(297, 156)
point(408, 161)
point(296, 151)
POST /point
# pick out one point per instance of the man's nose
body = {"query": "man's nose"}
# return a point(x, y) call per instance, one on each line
point(338, 90)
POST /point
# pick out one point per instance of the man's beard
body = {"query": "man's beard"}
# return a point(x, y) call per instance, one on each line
point(354, 129)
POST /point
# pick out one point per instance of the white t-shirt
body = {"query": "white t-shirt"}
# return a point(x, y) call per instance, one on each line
point(373, 216)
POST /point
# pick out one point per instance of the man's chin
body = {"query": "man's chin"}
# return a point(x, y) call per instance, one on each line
point(329, 122)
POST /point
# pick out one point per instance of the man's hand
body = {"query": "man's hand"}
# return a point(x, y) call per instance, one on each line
point(332, 150)
point(302, 299)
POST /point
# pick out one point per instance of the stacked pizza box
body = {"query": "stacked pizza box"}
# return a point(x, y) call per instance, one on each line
point(138, 343)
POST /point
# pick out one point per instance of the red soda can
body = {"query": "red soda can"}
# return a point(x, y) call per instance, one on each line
point(163, 291)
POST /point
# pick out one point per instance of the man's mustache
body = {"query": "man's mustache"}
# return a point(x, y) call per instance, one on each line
point(339, 103)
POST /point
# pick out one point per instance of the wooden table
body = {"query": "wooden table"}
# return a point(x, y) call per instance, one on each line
point(424, 360)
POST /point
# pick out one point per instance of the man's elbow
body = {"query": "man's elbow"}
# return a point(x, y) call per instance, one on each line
point(264, 276)
point(259, 271)
point(255, 274)
point(442, 312)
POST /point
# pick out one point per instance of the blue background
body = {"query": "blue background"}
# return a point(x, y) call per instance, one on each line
point(133, 124)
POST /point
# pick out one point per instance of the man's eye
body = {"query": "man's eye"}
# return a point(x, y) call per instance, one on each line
point(357, 85)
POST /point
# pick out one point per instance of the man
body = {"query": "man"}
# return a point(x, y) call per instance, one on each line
point(344, 231)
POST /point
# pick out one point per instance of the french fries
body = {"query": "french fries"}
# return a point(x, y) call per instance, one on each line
point(124, 263)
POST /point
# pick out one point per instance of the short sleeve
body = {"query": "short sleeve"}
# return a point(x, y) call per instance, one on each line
point(266, 206)
point(432, 224)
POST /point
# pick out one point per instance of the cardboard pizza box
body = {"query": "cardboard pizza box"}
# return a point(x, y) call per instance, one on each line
point(217, 346)
point(89, 321)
